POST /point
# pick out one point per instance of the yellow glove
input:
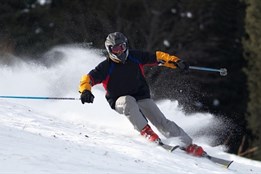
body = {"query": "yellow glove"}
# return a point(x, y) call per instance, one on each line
point(166, 60)
point(85, 83)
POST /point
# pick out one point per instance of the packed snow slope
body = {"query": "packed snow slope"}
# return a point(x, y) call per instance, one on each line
point(54, 136)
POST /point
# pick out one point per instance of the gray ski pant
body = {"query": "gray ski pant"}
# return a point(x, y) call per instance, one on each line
point(139, 111)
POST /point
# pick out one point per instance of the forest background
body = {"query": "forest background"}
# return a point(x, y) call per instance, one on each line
point(216, 34)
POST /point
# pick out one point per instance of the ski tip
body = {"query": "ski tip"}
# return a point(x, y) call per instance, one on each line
point(229, 164)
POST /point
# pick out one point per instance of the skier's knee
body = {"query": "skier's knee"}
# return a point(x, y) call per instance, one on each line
point(124, 104)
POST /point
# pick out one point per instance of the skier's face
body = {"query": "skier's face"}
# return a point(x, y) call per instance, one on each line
point(119, 48)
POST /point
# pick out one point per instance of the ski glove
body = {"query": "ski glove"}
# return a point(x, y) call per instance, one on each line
point(183, 65)
point(87, 97)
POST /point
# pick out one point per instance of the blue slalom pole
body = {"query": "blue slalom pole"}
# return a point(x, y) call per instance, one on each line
point(40, 98)
point(222, 71)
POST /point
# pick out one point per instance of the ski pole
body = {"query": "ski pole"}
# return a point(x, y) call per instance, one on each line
point(40, 98)
point(222, 71)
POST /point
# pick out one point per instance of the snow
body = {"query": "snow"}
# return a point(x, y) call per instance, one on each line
point(54, 136)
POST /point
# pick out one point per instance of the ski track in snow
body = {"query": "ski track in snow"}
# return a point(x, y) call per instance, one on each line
point(68, 137)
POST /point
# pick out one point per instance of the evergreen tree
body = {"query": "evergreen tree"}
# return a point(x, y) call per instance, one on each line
point(252, 45)
point(24, 26)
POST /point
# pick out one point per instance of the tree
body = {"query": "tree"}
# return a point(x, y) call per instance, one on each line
point(252, 45)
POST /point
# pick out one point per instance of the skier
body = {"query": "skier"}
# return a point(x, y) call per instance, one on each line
point(128, 93)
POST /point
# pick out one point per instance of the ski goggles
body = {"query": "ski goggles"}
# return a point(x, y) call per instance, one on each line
point(119, 48)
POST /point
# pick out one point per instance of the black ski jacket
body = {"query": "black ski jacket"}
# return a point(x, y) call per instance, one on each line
point(124, 79)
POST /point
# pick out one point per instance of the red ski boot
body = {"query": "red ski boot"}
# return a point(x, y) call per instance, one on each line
point(195, 150)
point(148, 133)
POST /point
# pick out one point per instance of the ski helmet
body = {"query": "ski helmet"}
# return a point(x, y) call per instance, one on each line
point(117, 46)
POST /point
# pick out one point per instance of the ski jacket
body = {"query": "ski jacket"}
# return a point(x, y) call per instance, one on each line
point(121, 79)
point(124, 79)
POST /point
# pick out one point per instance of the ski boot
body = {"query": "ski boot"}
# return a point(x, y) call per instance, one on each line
point(148, 133)
point(195, 150)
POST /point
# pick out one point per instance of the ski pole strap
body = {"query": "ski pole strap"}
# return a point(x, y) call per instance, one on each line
point(222, 71)
point(40, 98)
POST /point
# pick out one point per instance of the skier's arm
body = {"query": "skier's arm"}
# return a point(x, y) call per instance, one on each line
point(154, 59)
point(94, 77)
point(85, 89)
point(163, 59)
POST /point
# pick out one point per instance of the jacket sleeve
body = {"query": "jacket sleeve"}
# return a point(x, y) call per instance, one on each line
point(145, 58)
point(85, 83)
point(164, 59)
point(94, 77)
point(158, 58)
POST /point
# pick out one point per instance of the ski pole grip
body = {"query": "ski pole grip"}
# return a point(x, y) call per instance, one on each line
point(223, 71)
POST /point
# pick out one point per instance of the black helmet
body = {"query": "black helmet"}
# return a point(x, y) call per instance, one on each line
point(117, 46)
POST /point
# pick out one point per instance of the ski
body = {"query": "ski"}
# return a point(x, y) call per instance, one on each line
point(223, 162)
point(166, 146)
